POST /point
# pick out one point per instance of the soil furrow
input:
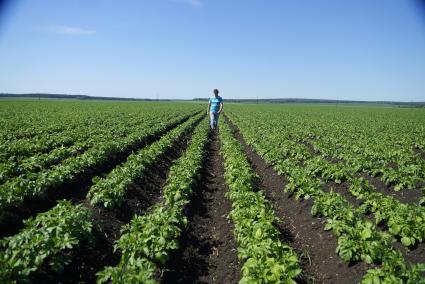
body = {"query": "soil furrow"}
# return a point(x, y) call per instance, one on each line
point(208, 249)
point(92, 257)
point(76, 189)
point(420, 152)
point(413, 254)
point(407, 196)
point(304, 232)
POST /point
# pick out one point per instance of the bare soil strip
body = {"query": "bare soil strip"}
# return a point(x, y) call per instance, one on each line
point(408, 196)
point(146, 191)
point(91, 257)
point(77, 189)
point(319, 261)
point(208, 249)
point(420, 152)
point(415, 254)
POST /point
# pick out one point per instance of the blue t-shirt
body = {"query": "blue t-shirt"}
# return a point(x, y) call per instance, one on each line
point(215, 103)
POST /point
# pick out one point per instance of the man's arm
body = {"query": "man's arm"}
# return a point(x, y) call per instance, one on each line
point(221, 107)
point(208, 109)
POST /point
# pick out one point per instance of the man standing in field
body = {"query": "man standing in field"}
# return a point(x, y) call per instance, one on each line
point(215, 106)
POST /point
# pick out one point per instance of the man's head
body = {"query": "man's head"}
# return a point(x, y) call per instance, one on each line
point(216, 92)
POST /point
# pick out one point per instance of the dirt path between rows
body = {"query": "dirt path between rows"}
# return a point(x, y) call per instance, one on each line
point(76, 188)
point(319, 261)
point(92, 257)
point(208, 249)
point(412, 255)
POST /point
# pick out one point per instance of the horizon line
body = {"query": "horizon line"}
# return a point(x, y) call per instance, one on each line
point(201, 98)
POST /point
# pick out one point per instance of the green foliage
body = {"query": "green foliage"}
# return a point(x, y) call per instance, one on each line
point(110, 191)
point(33, 183)
point(404, 221)
point(137, 270)
point(266, 259)
point(148, 240)
point(283, 144)
point(43, 240)
point(395, 272)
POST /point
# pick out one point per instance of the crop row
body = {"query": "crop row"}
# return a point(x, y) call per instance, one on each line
point(51, 150)
point(16, 190)
point(43, 241)
point(358, 239)
point(378, 141)
point(58, 152)
point(404, 221)
point(16, 150)
point(266, 259)
point(407, 174)
point(146, 243)
point(32, 121)
point(109, 191)
point(23, 120)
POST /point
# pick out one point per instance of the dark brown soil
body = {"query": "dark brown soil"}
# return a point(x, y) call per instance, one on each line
point(392, 165)
point(208, 249)
point(420, 152)
point(412, 255)
point(342, 189)
point(92, 256)
point(141, 195)
point(74, 189)
point(146, 191)
point(408, 196)
point(309, 147)
point(319, 261)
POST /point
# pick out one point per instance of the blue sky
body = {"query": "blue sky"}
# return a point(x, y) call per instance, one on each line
point(335, 49)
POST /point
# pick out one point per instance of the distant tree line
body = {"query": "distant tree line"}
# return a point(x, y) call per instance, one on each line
point(251, 101)
point(64, 96)
point(321, 101)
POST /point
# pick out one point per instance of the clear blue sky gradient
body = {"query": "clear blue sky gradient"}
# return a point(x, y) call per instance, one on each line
point(334, 49)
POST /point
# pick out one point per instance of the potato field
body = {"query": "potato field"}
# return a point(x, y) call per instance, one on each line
point(145, 192)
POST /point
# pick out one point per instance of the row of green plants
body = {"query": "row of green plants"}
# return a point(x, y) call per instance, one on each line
point(110, 191)
point(25, 120)
point(14, 130)
point(379, 141)
point(405, 222)
point(358, 239)
point(83, 139)
point(406, 173)
point(265, 258)
point(43, 242)
point(43, 152)
point(37, 163)
point(34, 128)
point(147, 241)
point(18, 149)
point(15, 191)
